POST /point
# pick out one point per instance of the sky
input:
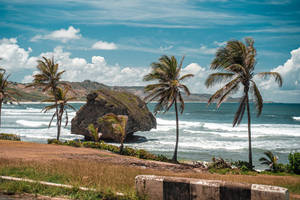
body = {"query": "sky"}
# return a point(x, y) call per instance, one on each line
point(114, 42)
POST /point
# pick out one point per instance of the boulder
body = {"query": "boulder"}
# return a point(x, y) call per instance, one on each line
point(106, 101)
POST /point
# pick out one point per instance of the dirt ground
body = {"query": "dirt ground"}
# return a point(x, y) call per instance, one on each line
point(43, 152)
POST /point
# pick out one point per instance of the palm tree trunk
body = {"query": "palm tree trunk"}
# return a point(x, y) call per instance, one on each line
point(249, 132)
point(57, 113)
point(59, 119)
point(0, 110)
point(177, 133)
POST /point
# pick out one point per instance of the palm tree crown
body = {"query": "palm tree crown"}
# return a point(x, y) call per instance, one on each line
point(237, 62)
point(168, 89)
point(48, 76)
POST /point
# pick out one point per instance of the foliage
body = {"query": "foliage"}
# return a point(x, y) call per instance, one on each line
point(5, 136)
point(48, 77)
point(6, 93)
point(117, 124)
point(60, 99)
point(270, 160)
point(94, 132)
point(242, 165)
point(168, 89)
point(294, 162)
point(219, 163)
point(236, 62)
point(139, 153)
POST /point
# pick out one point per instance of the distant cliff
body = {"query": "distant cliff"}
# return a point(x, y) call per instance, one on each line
point(82, 89)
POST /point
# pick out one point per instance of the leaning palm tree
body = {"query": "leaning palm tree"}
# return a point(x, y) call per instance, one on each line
point(270, 160)
point(60, 100)
point(6, 93)
point(237, 61)
point(49, 79)
point(168, 89)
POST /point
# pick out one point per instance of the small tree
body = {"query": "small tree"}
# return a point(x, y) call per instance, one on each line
point(61, 104)
point(117, 124)
point(94, 132)
point(270, 160)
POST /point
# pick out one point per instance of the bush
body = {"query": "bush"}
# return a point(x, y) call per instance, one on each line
point(5, 136)
point(294, 162)
point(54, 141)
point(242, 165)
point(72, 143)
point(219, 163)
point(139, 153)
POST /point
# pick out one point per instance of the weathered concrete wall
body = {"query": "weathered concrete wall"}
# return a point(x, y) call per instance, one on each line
point(173, 188)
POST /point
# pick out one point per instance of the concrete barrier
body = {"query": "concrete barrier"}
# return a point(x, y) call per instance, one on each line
point(173, 188)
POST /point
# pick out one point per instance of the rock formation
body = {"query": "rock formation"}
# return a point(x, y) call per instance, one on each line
point(106, 101)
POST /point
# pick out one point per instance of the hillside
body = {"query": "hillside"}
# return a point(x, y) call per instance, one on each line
point(81, 89)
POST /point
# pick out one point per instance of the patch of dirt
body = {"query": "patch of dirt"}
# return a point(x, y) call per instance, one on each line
point(44, 152)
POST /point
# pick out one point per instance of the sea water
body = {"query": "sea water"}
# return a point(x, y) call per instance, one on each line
point(205, 131)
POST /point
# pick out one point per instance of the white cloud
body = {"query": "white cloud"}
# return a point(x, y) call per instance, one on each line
point(290, 72)
point(104, 45)
point(13, 57)
point(63, 35)
point(79, 69)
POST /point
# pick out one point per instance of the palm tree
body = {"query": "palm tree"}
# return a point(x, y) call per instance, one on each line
point(270, 160)
point(60, 100)
point(49, 79)
point(117, 124)
point(237, 61)
point(168, 89)
point(5, 92)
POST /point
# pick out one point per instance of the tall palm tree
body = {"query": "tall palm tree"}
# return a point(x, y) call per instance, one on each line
point(237, 61)
point(5, 92)
point(168, 89)
point(60, 100)
point(118, 125)
point(49, 79)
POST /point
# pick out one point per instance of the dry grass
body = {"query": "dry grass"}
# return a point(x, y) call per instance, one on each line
point(119, 178)
point(103, 170)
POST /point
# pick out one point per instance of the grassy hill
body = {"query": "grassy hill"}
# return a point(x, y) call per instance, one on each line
point(81, 89)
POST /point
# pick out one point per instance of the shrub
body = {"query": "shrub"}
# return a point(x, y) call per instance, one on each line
point(219, 163)
point(72, 143)
point(5, 136)
point(54, 141)
point(294, 162)
point(242, 165)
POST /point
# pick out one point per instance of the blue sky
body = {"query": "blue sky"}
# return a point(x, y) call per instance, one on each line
point(114, 42)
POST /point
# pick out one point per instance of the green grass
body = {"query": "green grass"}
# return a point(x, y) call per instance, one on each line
point(33, 173)
point(14, 187)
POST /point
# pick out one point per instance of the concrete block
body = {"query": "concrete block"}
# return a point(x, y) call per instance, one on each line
point(268, 192)
point(205, 189)
point(176, 188)
point(150, 186)
point(235, 191)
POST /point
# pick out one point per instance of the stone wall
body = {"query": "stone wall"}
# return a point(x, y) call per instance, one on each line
point(173, 188)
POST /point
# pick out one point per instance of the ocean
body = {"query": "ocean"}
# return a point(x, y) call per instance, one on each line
point(205, 131)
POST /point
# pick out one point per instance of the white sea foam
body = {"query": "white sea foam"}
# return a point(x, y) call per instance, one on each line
point(28, 123)
point(296, 118)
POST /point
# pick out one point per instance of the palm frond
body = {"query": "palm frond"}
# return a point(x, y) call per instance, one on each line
point(258, 100)
point(216, 78)
point(275, 75)
point(240, 112)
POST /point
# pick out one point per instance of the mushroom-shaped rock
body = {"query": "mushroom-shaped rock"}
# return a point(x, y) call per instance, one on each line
point(106, 101)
